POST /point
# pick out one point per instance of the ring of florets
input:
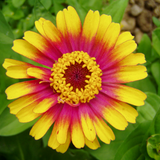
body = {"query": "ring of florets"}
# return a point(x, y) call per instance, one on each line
point(72, 94)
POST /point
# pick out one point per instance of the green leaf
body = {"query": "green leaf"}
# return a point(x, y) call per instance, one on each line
point(57, 5)
point(116, 9)
point(93, 5)
point(156, 40)
point(149, 110)
point(47, 4)
point(145, 85)
point(6, 35)
point(156, 21)
point(17, 3)
point(40, 11)
point(145, 47)
point(155, 69)
point(20, 147)
point(10, 125)
point(130, 149)
point(25, 147)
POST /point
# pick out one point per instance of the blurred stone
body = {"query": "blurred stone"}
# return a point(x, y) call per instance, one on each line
point(158, 1)
point(150, 4)
point(128, 23)
point(135, 10)
point(144, 21)
point(140, 3)
point(132, 1)
point(157, 11)
point(138, 35)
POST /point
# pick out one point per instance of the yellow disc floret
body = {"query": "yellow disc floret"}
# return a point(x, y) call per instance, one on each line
point(70, 93)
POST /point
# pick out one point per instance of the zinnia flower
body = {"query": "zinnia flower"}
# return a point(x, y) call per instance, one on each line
point(80, 91)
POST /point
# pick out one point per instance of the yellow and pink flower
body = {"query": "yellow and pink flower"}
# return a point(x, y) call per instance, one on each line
point(80, 91)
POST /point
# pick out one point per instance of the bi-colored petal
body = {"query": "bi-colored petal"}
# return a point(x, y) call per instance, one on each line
point(44, 123)
point(125, 94)
point(28, 50)
point(52, 34)
point(40, 43)
point(103, 131)
point(92, 144)
point(63, 147)
point(125, 74)
point(26, 114)
point(63, 123)
point(69, 24)
point(24, 101)
point(86, 122)
point(76, 130)
point(46, 103)
point(89, 31)
point(23, 88)
point(107, 45)
point(98, 44)
point(39, 73)
point(123, 50)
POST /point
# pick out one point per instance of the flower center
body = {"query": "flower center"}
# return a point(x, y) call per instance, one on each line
point(76, 77)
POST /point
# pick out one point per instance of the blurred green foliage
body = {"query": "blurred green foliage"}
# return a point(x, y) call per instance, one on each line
point(135, 143)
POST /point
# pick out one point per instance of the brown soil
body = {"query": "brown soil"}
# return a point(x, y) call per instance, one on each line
point(138, 17)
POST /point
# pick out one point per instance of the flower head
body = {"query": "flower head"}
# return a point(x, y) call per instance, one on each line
point(80, 91)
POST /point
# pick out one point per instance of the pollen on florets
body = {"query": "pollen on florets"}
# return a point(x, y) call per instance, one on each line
point(76, 77)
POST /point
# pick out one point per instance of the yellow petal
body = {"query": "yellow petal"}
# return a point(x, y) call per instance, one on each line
point(20, 103)
point(70, 20)
point(104, 23)
point(52, 142)
point(41, 126)
point(77, 135)
point(92, 144)
point(63, 147)
point(26, 49)
point(45, 104)
point(130, 95)
point(39, 26)
point(88, 127)
point(39, 73)
point(103, 131)
point(63, 123)
point(127, 111)
point(111, 35)
point(12, 62)
point(123, 37)
point(36, 40)
point(26, 114)
point(18, 89)
point(133, 59)
point(18, 72)
point(113, 117)
point(123, 50)
point(131, 73)
point(90, 25)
